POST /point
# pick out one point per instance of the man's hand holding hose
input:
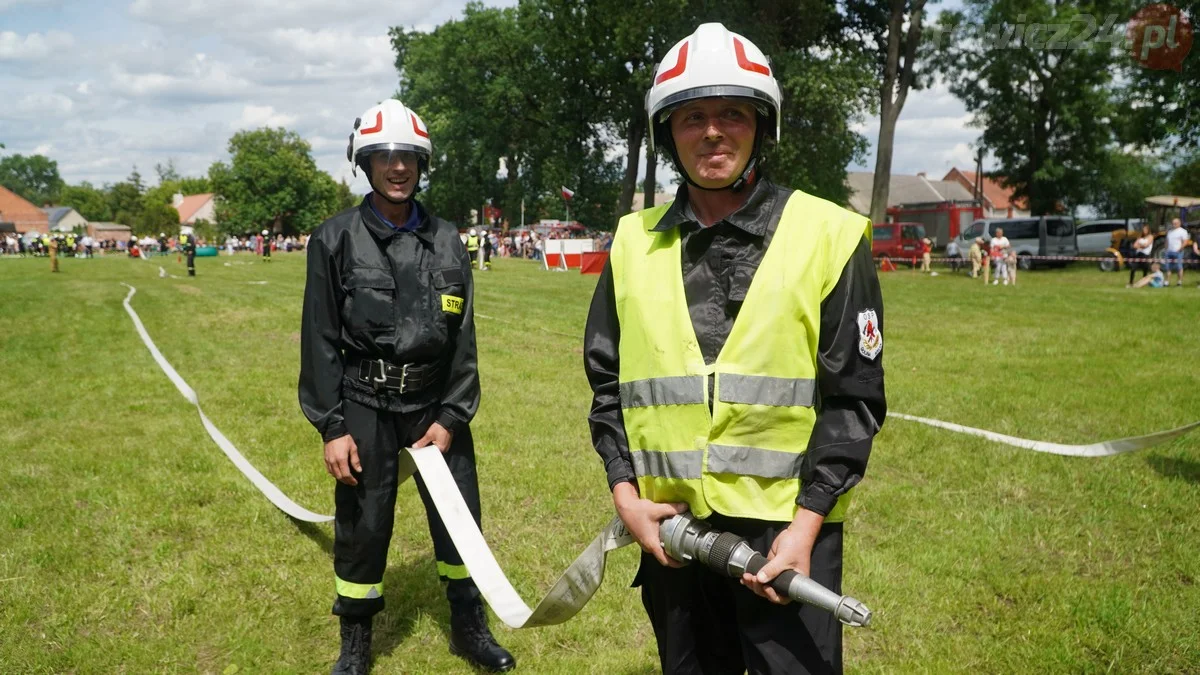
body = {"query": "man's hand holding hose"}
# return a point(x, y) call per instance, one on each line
point(792, 550)
point(642, 518)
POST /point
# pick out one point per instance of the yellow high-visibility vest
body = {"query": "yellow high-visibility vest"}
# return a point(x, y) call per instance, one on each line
point(743, 459)
point(472, 243)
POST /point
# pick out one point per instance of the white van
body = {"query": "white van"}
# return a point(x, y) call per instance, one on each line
point(1032, 236)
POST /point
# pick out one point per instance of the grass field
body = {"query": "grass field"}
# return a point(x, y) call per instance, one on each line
point(129, 543)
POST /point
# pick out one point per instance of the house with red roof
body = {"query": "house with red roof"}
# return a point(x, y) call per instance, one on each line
point(998, 200)
point(194, 208)
point(24, 215)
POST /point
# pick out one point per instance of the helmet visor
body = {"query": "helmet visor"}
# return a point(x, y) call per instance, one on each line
point(393, 156)
point(668, 105)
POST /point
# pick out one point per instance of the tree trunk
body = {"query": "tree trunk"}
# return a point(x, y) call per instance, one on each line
point(650, 187)
point(512, 191)
point(633, 158)
point(883, 162)
point(897, 79)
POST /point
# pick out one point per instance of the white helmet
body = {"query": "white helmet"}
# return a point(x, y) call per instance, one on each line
point(713, 62)
point(388, 126)
point(472, 233)
point(264, 233)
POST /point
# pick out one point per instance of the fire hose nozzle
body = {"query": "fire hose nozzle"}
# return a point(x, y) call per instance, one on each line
point(686, 539)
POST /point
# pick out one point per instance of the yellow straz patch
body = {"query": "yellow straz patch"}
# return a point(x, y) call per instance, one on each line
point(452, 304)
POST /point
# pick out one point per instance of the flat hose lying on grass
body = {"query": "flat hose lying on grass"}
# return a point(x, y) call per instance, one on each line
point(583, 577)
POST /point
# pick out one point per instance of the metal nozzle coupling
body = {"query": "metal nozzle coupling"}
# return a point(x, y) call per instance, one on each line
point(852, 612)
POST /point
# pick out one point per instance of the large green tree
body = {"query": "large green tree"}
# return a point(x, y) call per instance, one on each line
point(1164, 103)
point(33, 177)
point(271, 182)
point(89, 201)
point(557, 91)
point(158, 217)
point(125, 199)
point(1049, 109)
point(1185, 177)
point(1120, 182)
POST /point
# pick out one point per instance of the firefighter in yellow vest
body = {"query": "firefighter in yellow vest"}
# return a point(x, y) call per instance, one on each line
point(734, 349)
point(473, 247)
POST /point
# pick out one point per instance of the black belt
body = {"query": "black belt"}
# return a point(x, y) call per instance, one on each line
point(409, 377)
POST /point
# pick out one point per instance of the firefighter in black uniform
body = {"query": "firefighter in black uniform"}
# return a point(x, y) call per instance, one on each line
point(187, 241)
point(388, 361)
point(266, 252)
point(766, 297)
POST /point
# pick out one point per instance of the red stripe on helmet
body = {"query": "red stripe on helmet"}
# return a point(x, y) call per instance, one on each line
point(677, 69)
point(376, 128)
point(739, 50)
point(417, 127)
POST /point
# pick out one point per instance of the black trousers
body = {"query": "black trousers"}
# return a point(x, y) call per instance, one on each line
point(1137, 261)
point(712, 625)
point(191, 263)
point(365, 513)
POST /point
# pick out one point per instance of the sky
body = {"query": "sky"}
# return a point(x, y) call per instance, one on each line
point(101, 86)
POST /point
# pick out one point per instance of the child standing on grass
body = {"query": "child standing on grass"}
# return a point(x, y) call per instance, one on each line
point(999, 251)
point(1012, 266)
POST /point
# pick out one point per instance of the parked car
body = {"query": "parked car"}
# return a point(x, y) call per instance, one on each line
point(1099, 238)
point(1033, 236)
point(897, 240)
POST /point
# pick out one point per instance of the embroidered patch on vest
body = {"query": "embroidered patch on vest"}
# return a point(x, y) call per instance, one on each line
point(452, 304)
point(870, 337)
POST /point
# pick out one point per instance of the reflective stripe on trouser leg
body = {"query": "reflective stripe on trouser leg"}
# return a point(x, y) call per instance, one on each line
point(350, 589)
point(448, 571)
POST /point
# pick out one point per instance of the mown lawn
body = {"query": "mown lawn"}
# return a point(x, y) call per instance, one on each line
point(129, 543)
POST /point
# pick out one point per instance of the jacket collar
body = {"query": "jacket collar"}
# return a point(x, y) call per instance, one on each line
point(752, 217)
point(384, 230)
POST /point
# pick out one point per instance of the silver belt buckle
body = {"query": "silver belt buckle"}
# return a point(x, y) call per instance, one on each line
point(382, 379)
point(403, 377)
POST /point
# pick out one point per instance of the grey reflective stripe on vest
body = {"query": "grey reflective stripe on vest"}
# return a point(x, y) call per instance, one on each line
point(763, 390)
point(680, 390)
point(745, 461)
point(678, 464)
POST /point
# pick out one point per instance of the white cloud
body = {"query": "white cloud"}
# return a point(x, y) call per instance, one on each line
point(34, 46)
point(6, 5)
point(41, 106)
point(254, 116)
point(252, 16)
point(198, 80)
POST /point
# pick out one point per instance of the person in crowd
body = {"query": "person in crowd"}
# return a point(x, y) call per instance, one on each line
point(954, 255)
point(1177, 239)
point(975, 255)
point(1155, 279)
point(1142, 247)
point(998, 248)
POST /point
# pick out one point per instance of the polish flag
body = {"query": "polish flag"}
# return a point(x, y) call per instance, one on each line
point(567, 194)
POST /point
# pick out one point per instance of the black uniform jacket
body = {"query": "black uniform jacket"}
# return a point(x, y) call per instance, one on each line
point(718, 265)
point(376, 292)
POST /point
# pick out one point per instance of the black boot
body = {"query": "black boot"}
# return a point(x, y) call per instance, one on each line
point(355, 658)
point(471, 639)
